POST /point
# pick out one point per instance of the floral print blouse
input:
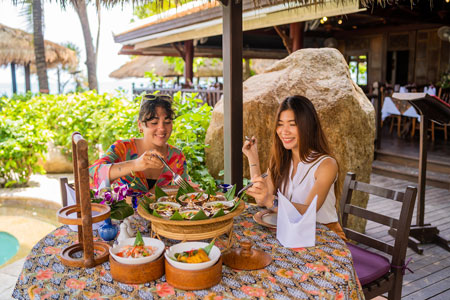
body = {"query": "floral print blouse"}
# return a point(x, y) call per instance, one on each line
point(124, 150)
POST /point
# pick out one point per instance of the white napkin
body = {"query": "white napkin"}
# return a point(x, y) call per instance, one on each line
point(293, 229)
point(71, 197)
point(72, 200)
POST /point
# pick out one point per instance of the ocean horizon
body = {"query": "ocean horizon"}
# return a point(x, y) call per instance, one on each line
point(111, 86)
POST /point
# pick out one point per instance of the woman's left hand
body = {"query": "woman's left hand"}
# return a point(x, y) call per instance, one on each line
point(259, 191)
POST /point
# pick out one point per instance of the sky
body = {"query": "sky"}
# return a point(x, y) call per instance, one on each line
point(63, 26)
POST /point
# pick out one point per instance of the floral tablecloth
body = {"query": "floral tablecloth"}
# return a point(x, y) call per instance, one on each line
point(321, 272)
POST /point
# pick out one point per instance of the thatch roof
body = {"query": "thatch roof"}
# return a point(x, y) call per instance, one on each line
point(16, 46)
point(141, 64)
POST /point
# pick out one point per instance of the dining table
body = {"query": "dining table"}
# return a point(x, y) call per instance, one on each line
point(324, 271)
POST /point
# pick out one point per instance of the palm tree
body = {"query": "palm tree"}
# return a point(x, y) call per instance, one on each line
point(91, 61)
point(39, 48)
point(80, 7)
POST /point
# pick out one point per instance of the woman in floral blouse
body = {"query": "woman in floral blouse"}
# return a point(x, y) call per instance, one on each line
point(133, 161)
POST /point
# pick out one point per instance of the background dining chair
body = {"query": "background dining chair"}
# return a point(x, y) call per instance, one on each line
point(376, 272)
point(444, 95)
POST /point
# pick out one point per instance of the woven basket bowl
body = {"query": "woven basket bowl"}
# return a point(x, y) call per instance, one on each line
point(192, 230)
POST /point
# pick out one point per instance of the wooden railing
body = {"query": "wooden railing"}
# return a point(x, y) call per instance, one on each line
point(211, 97)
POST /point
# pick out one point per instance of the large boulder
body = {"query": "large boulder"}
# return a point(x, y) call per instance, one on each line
point(346, 115)
point(55, 161)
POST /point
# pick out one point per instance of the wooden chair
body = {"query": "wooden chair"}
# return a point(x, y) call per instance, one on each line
point(62, 185)
point(377, 273)
point(443, 94)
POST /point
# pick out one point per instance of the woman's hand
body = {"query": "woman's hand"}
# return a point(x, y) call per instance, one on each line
point(250, 149)
point(260, 191)
point(148, 160)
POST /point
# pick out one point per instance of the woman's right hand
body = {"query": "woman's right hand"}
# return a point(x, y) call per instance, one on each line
point(148, 160)
point(250, 149)
point(259, 191)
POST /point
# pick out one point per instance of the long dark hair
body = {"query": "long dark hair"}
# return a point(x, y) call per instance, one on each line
point(149, 104)
point(312, 140)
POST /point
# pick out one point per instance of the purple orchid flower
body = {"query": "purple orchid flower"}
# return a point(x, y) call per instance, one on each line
point(117, 189)
point(108, 197)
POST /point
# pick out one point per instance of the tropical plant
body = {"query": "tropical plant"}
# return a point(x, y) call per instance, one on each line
point(445, 80)
point(190, 125)
point(30, 121)
point(39, 48)
point(80, 7)
point(76, 75)
point(22, 141)
point(155, 7)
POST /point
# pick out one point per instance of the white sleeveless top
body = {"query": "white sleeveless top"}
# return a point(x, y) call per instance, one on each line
point(298, 188)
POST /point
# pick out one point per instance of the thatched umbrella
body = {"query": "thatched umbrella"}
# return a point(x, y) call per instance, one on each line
point(141, 64)
point(210, 68)
point(16, 48)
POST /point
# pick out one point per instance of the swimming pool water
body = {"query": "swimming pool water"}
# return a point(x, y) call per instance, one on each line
point(9, 246)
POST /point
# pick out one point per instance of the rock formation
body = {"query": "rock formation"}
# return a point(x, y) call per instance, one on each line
point(323, 76)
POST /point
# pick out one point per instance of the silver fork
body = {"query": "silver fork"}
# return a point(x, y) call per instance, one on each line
point(176, 178)
point(249, 185)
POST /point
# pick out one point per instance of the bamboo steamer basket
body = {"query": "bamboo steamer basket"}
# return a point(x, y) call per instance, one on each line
point(187, 230)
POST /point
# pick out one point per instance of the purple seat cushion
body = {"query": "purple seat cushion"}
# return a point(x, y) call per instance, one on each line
point(369, 266)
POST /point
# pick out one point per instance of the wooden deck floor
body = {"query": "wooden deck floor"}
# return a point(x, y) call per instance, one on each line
point(437, 150)
point(431, 277)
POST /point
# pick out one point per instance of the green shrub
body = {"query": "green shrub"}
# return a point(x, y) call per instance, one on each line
point(21, 144)
point(189, 131)
point(29, 122)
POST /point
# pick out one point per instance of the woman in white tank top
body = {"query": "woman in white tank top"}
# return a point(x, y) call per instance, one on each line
point(300, 165)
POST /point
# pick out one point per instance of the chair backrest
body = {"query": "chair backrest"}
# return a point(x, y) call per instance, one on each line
point(62, 185)
point(444, 94)
point(402, 224)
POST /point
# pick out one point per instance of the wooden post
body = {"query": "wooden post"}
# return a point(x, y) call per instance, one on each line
point(77, 190)
point(296, 34)
point(378, 127)
point(13, 77)
point(232, 41)
point(188, 62)
point(27, 78)
point(420, 218)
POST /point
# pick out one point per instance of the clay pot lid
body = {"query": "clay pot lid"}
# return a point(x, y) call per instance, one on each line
point(246, 258)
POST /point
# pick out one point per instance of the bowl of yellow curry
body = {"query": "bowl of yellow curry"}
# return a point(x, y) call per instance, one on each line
point(192, 255)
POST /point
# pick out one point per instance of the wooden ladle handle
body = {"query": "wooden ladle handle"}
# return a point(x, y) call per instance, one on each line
point(246, 248)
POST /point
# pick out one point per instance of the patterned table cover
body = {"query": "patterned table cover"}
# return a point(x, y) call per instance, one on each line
point(321, 272)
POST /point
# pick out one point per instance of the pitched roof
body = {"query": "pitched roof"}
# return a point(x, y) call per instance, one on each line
point(16, 46)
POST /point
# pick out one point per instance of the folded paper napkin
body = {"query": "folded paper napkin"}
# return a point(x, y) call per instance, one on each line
point(293, 229)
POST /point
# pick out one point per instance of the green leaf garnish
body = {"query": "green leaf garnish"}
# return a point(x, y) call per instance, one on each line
point(219, 213)
point(190, 189)
point(209, 247)
point(211, 191)
point(139, 241)
point(180, 193)
point(236, 205)
point(200, 216)
point(156, 214)
point(121, 210)
point(176, 216)
point(230, 194)
point(198, 196)
point(145, 206)
point(159, 193)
